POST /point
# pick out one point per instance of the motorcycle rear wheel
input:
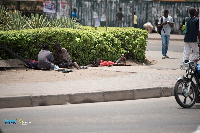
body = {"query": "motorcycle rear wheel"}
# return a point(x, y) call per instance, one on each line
point(185, 100)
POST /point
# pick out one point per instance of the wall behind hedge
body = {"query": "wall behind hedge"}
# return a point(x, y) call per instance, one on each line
point(84, 45)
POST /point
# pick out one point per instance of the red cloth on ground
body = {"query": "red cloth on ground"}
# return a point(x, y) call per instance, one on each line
point(106, 63)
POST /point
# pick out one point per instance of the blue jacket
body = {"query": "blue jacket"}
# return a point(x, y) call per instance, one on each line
point(74, 15)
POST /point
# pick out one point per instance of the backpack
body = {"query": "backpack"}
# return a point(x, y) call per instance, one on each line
point(159, 29)
point(185, 28)
point(31, 64)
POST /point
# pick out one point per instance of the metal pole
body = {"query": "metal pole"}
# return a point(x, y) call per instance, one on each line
point(106, 16)
point(132, 13)
point(18, 6)
point(199, 18)
point(92, 8)
point(71, 9)
point(57, 9)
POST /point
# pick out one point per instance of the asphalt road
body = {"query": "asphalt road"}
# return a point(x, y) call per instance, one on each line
point(157, 115)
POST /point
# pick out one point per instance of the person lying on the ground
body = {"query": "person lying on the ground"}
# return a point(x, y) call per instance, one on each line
point(62, 58)
point(96, 62)
point(45, 58)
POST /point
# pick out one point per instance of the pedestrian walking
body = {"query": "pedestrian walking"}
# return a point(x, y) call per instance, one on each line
point(190, 39)
point(166, 23)
point(119, 17)
point(197, 15)
point(135, 20)
point(74, 15)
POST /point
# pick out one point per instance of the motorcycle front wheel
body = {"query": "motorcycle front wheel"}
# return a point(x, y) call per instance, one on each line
point(184, 98)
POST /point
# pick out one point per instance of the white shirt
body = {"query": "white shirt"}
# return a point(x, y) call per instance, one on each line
point(166, 28)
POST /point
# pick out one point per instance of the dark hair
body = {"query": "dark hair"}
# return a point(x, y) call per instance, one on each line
point(156, 20)
point(45, 46)
point(120, 8)
point(192, 10)
point(57, 44)
point(166, 11)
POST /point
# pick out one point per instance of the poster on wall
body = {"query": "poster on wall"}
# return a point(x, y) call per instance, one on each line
point(96, 22)
point(95, 15)
point(64, 9)
point(49, 6)
point(103, 17)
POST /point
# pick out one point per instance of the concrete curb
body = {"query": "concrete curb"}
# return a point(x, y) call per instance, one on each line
point(30, 101)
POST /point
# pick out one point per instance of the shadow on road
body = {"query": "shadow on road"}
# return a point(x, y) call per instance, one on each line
point(173, 58)
point(194, 107)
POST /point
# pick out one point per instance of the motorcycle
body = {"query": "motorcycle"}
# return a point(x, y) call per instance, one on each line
point(187, 87)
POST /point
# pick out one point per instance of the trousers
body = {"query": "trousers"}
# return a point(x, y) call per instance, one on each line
point(190, 47)
point(165, 44)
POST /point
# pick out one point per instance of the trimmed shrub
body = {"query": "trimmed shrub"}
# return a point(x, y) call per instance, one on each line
point(84, 45)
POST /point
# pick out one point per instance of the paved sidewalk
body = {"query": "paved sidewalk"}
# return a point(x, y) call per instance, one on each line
point(174, 37)
point(142, 82)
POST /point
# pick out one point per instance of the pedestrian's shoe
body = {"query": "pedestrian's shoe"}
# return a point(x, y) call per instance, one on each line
point(67, 71)
point(83, 67)
point(166, 56)
point(163, 57)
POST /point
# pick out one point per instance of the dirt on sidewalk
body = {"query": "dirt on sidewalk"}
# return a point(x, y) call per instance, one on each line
point(24, 75)
point(30, 75)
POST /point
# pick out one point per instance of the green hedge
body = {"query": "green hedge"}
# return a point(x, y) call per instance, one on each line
point(84, 45)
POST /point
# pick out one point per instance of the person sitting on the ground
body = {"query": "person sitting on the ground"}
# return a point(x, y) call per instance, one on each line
point(62, 58)
point(45, 58)
point(122, 60)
